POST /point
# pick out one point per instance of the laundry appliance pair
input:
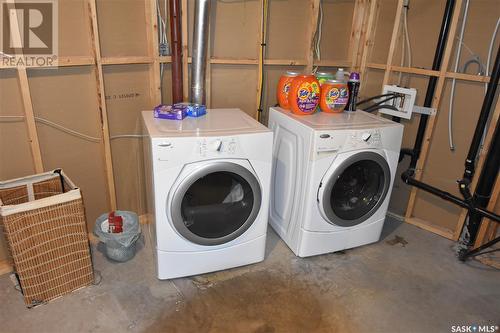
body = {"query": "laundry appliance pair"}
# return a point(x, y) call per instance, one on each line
point(212, 184)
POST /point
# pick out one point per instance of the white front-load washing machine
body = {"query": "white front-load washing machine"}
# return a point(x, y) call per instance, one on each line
point(332, 178)
point(208, 182)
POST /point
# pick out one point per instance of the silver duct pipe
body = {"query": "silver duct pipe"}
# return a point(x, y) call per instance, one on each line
point(200, 43)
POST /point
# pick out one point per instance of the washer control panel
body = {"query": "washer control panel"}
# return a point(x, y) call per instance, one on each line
point(345, 140)
point(217, 146)
point(364, 138)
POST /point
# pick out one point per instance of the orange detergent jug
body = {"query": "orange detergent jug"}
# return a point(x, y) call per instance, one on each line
point(334, 96)
point(303, 97)
point(284, 87)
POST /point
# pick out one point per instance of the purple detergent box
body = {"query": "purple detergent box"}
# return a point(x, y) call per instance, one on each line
point(168, 112)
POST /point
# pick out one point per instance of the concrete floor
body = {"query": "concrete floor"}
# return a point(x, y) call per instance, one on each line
point(384, 287)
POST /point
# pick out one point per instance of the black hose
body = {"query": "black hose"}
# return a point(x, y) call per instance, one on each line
point(383, 106)
point(381, 102)
point(374, 97)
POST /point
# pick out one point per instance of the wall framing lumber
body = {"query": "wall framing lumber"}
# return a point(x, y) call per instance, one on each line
point(358, 33)
point(392, 45)
point(30, 120)
point(368, 42)
point(430, 72)
point(153, 51)
point(29, 117)
point(311, 33)
point(127, 60)
point(5, 267)
point(96, 49)
point(429, 226)
point(488, 228)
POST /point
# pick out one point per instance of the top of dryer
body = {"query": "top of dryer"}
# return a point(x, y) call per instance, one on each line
point(343, 120)
point(215, 122)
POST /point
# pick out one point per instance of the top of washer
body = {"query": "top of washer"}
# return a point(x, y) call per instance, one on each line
point(344, 120)
point(215, 122)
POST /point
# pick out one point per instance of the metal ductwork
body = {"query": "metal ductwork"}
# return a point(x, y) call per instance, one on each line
point(200, 43)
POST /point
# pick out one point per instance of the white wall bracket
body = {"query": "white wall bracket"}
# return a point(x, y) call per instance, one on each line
point(424, 110)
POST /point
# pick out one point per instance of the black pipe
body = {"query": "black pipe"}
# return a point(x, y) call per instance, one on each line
point(486, 108)
point(480, 211)
point(176, 38)
point(477, 251)
point(431, 87)
point(485, 185)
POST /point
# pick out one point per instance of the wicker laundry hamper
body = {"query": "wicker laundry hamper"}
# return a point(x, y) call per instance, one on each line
point(44, 223)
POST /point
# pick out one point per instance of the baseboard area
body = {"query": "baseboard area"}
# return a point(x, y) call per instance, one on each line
point(395, 216)
point(5, 267)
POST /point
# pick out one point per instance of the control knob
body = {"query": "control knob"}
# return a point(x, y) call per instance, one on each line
point(366, 136)
point(216, 145)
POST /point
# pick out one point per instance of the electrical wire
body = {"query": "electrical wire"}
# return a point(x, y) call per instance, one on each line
point(408, 43)
point(483, 70)
point(490, 52)
point(317, 47)
point(475, 60)
point(127, 136)
point(68, 130)
point(5, 55)
point(57, 126)
point(405, 47)
point(454, 81)
point(13, 118)
point(403, 55)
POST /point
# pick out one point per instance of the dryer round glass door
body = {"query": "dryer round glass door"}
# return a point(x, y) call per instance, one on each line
point(216, 203)
point(356, 189)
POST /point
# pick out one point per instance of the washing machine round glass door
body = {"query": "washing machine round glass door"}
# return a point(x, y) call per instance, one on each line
point(216, 203)
point(356, 189)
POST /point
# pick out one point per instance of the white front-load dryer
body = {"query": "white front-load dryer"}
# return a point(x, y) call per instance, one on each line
point(208, 182)
point(332, 178)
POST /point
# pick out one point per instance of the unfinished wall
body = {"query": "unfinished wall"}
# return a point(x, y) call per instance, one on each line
point(442, 166)
point(70, 96)
point(119, 49)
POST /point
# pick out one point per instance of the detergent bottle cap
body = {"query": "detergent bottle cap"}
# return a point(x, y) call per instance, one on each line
point(354, 77)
